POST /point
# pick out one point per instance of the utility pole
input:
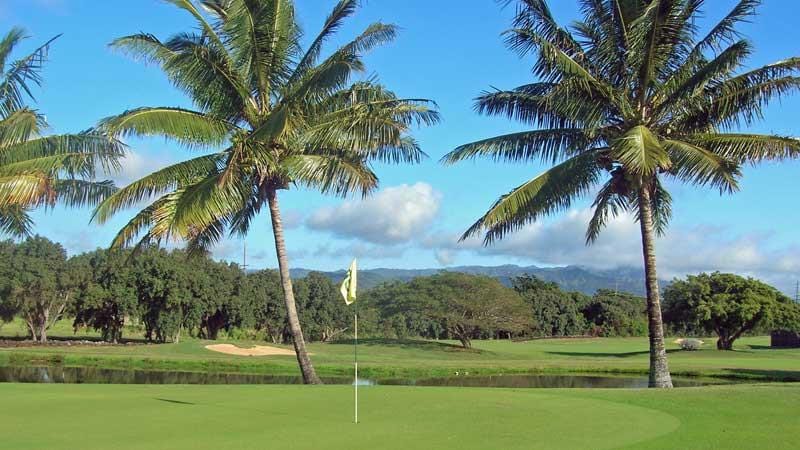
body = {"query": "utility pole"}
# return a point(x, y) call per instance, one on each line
point(244, 255)
point(797, 292)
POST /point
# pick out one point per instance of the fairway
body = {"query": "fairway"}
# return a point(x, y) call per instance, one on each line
point(297, 417)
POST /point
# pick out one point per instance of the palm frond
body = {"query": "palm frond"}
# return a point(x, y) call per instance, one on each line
point(76, 154)
point(552, 191)
point(190, 128)
point(337, 173)
point(699, 166)
point(640, 152)
point(158, 183)
point(725, 31)
point(334, 21)
point(546, 145)
point(753, 148)
point(19, 126)
point(26, 190)
point(15, 221)
point(611, 200)
point(78, 193)
point(17, 80)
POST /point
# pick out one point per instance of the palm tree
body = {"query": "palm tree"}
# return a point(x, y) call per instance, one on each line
point(38, 170)
point(276, 117)
point(627, 98)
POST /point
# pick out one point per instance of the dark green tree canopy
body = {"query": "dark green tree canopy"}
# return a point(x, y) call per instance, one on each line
point(469, 304)
point(106, 292)
point(554, 312)
point(726, 304)
point(614, 313)
point(40, 284)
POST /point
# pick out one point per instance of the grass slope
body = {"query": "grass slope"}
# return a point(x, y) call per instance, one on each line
point(297, 417)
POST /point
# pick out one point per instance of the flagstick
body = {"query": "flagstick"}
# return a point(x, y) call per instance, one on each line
point(355, 361)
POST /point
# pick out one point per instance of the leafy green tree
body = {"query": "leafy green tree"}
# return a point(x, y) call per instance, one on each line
point(554, 312)
point(322, 308)
point(164, 295)
point(264, 294)
point(471, 304)
point(40, 170)
point(106, 293)
point(215, 290)
point(613, 313)
point(283, 117)
point(7, 309)
point(723, 303)
point(626, 99)
point(42, 284)
point(402, 311)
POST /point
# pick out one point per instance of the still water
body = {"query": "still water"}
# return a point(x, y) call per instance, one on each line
point(60, 374)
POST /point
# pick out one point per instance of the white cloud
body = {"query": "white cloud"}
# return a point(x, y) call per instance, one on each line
point(395, 215)
point(361, 251)
point(135, 166)
point(681, 251)
point(444, 257)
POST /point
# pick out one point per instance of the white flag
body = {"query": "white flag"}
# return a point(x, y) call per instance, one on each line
point(350, 284)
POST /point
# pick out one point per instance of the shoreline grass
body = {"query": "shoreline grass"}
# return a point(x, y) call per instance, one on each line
point(752, 361)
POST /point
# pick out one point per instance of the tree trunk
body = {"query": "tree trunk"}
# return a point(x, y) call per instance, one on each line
point(306, 368)
point(659, 369)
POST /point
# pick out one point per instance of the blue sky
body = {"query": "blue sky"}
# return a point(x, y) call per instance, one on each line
point(448, 51)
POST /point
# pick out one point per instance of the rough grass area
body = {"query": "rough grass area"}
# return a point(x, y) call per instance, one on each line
point(299, 417)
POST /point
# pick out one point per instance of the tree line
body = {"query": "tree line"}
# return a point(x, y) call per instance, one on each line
point(170, 294)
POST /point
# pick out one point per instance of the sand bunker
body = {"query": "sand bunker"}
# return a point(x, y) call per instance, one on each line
point(258, 350)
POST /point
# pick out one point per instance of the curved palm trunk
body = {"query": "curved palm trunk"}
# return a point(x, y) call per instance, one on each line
point(307, 369)
point(659, 369)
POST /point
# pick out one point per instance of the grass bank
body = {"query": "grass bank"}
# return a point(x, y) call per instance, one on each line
point(752, 359)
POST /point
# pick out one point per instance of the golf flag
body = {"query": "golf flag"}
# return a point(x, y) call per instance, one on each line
point(350, 284)
point(348, 290)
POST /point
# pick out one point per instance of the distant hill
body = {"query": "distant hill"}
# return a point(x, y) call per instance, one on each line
point(570, 278)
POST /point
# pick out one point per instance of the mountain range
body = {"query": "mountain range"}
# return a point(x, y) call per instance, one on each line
point(570, 278)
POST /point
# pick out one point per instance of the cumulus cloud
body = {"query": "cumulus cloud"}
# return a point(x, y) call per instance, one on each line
point(395, 215)
point(683, 250)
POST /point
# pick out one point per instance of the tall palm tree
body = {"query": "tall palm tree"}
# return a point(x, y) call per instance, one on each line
point(627, 98)
point(38, 170)
point(276, 115)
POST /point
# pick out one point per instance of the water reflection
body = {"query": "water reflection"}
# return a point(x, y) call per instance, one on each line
point(60, 374)
point(542, 381)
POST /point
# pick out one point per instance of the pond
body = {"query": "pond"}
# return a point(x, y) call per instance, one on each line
point(61, 374)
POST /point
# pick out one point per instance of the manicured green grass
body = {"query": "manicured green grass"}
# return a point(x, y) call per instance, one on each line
point(301, 417)
point(752, 359)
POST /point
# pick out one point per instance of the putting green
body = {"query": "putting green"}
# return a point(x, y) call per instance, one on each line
point(297, 417)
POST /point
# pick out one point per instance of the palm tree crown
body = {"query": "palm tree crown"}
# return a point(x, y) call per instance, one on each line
point(38, 170)
point(628, 97)
point(282, 117)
